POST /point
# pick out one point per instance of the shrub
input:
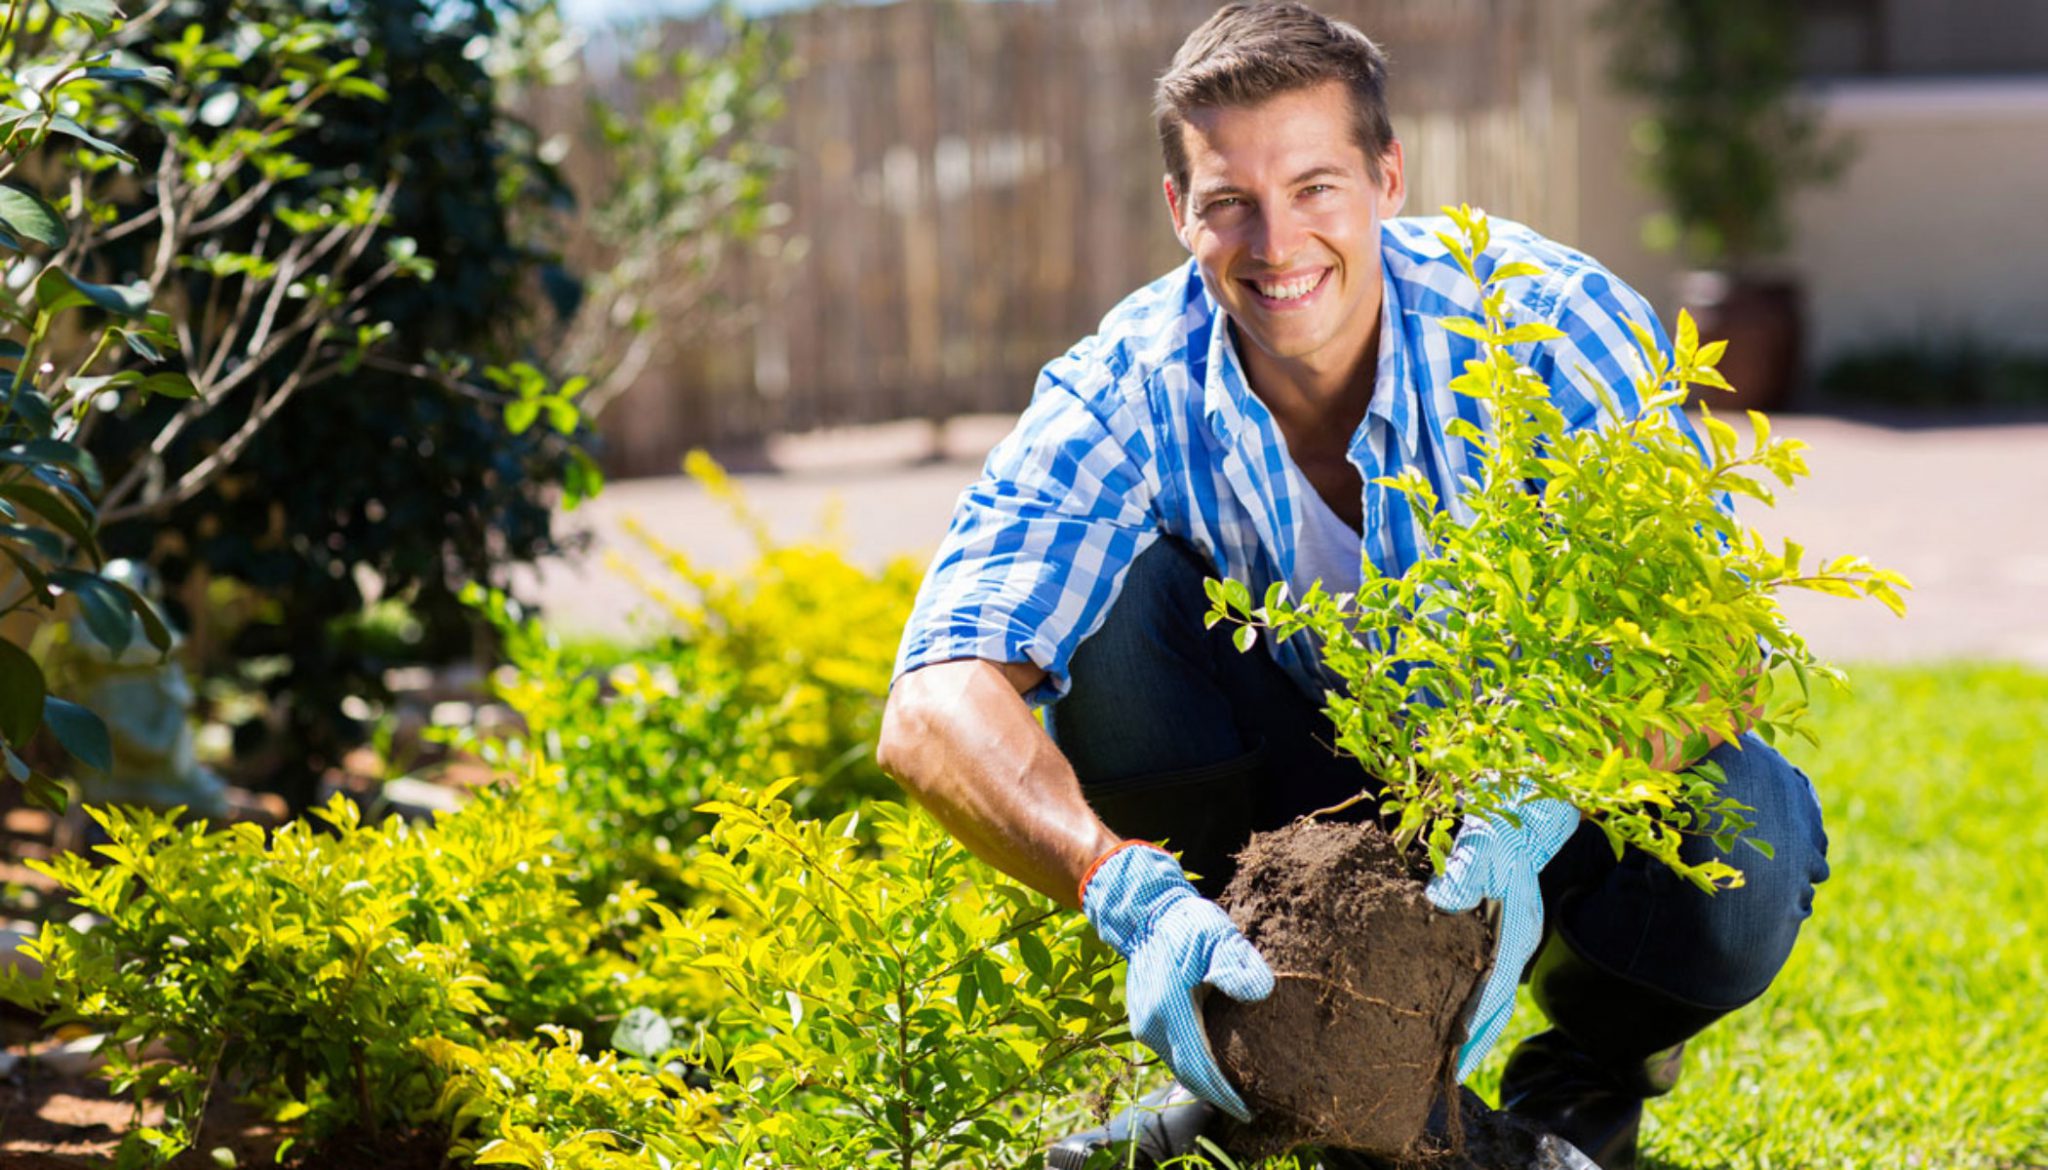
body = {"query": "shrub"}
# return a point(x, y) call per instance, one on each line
point(302, 968)
point(1587, 598)
point(881, 999)
point(778, 669)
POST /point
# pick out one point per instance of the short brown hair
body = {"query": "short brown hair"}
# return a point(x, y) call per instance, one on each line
point(1249, 52)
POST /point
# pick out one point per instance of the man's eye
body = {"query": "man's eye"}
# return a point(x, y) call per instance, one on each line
point(1222, 202)
point(1316, 188)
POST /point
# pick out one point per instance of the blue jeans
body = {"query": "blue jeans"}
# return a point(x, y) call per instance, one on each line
point(1176, 736)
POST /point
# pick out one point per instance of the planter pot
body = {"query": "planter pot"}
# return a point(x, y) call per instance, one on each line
point(1372, 983)
point(1763, 321)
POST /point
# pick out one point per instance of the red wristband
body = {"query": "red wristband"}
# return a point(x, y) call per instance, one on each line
point(1097, 863)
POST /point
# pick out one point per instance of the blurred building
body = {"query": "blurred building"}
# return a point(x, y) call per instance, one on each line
point(1937, 229)
point(972, 185)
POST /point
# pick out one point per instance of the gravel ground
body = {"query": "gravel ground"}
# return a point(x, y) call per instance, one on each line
point(1961, 508)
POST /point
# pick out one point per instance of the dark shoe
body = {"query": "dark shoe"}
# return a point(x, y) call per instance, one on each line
point(1551, 1084)
point(1614, 1043)
point(1163, 1125)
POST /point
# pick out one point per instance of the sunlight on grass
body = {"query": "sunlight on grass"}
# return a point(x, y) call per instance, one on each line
point(1910, 1028)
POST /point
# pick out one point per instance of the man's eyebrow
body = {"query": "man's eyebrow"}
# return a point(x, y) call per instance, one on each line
point(1319, 171)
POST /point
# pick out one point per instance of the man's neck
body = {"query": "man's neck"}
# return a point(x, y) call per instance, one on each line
point(1314, 400)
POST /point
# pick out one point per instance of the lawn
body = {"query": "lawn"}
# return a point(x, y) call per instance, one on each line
point(1909, 1029)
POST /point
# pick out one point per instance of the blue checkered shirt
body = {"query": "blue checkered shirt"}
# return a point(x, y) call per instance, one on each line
point(1149, 428)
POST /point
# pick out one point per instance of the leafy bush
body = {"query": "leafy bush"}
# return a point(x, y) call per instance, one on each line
point(302, 968)
point(1938, 373)
point(776, 670)
point(55, 62)
point(1586, 599)
point(1727, 141)
point(881, 999)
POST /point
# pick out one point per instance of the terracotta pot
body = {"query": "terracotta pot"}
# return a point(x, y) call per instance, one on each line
point(1763, 321)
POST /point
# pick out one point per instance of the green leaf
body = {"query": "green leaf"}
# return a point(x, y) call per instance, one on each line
point(1037, 959)
point(142, 346)
point(104, 608)
point(43, 453)
point(104, 11)
point(45, 792)
point(67, 126)
point(1687, 343)
point(1244, 638)
point(25, 213)
point(969, 991)
point(154, 627)
point(47, 545)
point(1533, 331)
point(520, 415)
point(155, 75)
point(169, 384)
point(1465, 327)
point(1512, 270)
point(57, 290)
point(81, 732)
point(21, 694)
point(54, 509)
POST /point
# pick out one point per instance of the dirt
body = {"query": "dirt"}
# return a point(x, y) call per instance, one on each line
point(1371, 984)
point(52, 1121)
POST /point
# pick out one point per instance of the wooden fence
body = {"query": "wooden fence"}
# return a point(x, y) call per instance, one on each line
point(974, 184)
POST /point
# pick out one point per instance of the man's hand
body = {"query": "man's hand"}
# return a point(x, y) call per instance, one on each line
point(1178, 944)
point(1493, 859)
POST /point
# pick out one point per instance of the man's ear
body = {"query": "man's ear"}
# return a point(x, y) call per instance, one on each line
point(1393, 181)
point(1174, 209)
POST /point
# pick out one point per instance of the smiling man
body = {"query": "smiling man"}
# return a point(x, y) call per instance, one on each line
point(1230, 420)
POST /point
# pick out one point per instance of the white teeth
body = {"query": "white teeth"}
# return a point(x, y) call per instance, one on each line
point(1298, 287)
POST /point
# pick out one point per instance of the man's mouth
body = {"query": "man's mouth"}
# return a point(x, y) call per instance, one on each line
point(1291, 290)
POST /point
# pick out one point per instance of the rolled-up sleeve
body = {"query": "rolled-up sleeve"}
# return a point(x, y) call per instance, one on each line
point(1039, 545)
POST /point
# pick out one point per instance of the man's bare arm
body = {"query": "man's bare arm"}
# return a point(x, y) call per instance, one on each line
point(960, 738)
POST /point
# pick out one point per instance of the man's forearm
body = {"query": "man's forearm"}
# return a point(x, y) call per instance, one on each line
point(960, 738)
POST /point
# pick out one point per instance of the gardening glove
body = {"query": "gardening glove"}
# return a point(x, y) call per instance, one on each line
point(1178, 945)
point(1494, 859)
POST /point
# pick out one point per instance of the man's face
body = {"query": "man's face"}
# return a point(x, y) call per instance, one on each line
point(1283, 217)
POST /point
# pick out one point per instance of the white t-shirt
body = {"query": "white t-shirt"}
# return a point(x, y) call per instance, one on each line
point(1326, 549)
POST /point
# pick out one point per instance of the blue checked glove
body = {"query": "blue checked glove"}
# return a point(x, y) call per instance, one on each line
point(1178, 945)
point(1494, 860)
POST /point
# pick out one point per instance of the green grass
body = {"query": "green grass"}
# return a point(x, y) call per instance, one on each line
point(1911, 1027)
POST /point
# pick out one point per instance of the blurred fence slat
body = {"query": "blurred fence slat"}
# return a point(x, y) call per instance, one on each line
point(975, 184)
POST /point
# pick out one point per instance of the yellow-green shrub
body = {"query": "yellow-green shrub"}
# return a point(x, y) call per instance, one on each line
point(778, 669)
point(302, 966)
point(883, 999)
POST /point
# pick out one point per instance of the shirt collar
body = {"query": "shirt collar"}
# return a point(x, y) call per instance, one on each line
point(1393, 399)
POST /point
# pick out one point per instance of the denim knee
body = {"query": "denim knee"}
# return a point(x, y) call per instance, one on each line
point(1723, 950)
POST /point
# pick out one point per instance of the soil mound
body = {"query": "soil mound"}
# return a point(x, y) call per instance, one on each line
point(1371, 985)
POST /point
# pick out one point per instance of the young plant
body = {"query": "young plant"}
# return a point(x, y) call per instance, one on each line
point(886, 1000)
point(1590, 600)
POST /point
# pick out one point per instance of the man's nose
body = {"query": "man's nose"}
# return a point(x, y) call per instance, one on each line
point(1280, 235)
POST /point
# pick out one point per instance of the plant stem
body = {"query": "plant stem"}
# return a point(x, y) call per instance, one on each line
point(355, 1056)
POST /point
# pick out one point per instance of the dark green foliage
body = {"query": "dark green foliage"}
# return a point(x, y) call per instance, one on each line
point(1958, 373)
point(377, 469)
point(1726, 142)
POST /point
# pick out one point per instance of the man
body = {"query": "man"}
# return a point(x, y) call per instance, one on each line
point(1228, 420)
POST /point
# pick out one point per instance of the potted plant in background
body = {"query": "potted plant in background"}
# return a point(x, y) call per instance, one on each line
point(1726, 143)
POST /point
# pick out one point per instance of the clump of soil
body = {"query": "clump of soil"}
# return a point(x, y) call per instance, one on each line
point(1371, 986)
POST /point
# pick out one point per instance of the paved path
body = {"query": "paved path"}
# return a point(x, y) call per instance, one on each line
point(1961, 510)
